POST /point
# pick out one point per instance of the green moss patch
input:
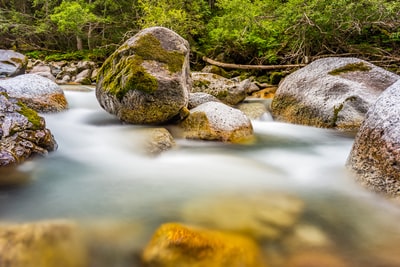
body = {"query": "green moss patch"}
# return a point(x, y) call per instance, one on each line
point(128, 74)
point(360, 66)
point(149, 47)
point(32, 116)
point(123, 71)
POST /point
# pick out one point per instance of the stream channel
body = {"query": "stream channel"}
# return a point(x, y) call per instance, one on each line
point(98, 175)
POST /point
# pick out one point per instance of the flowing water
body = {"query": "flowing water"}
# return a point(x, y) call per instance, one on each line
point(100, 174)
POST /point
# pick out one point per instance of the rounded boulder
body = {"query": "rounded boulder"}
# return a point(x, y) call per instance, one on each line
point(147, 79)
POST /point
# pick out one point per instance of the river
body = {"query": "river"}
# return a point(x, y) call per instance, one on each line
point(99, 174)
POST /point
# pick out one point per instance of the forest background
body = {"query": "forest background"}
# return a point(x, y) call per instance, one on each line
point(235, 31)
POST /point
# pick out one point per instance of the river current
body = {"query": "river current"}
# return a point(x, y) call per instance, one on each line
point(99, 173)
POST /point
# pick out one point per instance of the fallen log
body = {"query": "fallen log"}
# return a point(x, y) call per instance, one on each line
point(250, 67)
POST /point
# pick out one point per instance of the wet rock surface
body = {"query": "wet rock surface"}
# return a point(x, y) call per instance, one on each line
point(45, 244)
point(180, 245)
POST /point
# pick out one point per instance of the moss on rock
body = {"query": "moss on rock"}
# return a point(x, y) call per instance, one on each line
point(32, 116)
point(148, 47)
point(360, 66)
point(126, 75)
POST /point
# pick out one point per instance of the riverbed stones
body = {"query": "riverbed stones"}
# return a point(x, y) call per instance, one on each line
point(263, 216)
point(176, 244)
point(217, 122)
point(44, 244)
point(22, 132)
point(36, 92)
point(375, 156)
point(331, 93)
point(227, 91)
point(147, 79)
point(12, 63)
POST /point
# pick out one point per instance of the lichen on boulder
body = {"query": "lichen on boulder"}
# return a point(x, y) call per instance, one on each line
point(147, 79)
point(331, 93)
point(375, 156)
point(175, 245)
point(218, 122)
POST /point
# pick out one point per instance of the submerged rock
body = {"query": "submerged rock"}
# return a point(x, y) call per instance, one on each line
point(264, 216)
point(37, 92)
point(375, 156)
point(227, 91)
point(157, 140)
point(12, 63)
point(331, 93)
point(255, 110)
point(175, 245)
point(217, 121)
point(44, 244)
point(22, 132)
point(146, 80)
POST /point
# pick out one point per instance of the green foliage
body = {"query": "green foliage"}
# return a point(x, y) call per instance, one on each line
point(72, 17)
point(239, 31)
point(187, 18)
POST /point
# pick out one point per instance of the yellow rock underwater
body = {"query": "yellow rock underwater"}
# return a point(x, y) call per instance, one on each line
point(176, 245)
point(42, 244)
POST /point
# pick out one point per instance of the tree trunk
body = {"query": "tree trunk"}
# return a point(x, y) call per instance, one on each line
point(79, 44)
point(250, 67)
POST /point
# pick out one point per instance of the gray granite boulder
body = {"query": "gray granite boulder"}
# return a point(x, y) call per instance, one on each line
point(146, 80)
point(37, 92)
point(226, 90)
point(196, 99)
point(22, 132)
point(375, 156)
point(12, 63)
point(331, 93)
point(217, 121)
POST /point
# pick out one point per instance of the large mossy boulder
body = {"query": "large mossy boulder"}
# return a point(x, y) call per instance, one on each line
point(216, 121)
point(36, 92)
point(176, 245)
point(227, 91)
point(375, 156)
point(331, 93)
point(146, 80)
point(44, 244)
point(22, 132)
point(12, 63)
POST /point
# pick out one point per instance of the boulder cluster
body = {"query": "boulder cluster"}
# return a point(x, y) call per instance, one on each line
point(148, 81)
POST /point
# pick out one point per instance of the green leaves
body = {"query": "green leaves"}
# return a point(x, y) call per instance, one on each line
point(72, 16)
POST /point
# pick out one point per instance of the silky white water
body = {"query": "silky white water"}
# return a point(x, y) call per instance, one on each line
point(100, 172)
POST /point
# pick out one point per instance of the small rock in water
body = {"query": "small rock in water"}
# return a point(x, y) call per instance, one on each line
point(44, 244)
point(175, 245)
point(217, 121)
